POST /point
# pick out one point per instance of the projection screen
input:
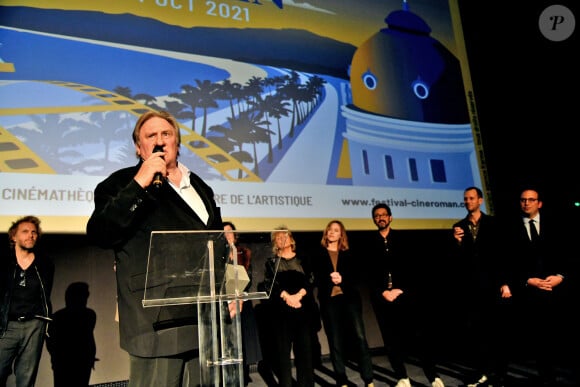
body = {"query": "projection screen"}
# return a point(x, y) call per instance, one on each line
point(294, 112)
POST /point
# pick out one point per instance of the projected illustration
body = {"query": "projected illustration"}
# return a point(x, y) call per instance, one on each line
point(290, 122)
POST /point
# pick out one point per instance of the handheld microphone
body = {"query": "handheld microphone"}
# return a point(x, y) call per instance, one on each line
point(158, 177)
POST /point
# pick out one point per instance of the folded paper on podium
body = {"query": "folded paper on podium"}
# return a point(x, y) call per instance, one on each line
point(201, 268)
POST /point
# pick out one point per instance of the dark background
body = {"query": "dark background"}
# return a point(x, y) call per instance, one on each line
point(525, 90)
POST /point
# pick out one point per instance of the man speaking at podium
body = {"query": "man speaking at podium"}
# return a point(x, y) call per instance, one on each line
point(157, 194)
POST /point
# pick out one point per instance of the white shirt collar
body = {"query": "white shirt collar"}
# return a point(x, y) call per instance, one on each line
point(185, 182)
point(535, 219)
point(190, 195)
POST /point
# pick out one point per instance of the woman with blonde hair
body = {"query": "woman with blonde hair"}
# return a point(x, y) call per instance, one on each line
point(293, 309)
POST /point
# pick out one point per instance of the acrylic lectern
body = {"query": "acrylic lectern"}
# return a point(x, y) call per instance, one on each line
point(201, 268)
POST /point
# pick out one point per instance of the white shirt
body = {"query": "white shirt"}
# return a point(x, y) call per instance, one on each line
point(536, 220)
point(190, 195)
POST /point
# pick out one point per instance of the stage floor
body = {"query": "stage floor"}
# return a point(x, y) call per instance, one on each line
point(453, 374)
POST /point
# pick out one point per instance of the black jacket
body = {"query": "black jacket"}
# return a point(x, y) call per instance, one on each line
point(348, 268)
point(481, 263)
point(125, 215)
point(550, 255)
point(44, 269)
point(390, 263)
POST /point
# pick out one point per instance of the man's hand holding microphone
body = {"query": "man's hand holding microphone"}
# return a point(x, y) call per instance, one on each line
point(153, 169)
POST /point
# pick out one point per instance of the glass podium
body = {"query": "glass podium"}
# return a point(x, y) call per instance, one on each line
point(201, 268)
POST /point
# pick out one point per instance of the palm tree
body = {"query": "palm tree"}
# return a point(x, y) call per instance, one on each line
point(269, 106)
point(226, 90)
point(177, 109)
point(45, 139)
point(314, 85)
point(290, 91)
point(279, 109)
point(228, 140)
point(191, 97)
point(246, 129)
point(101, 127)
point(206, 99)
point(146, 99)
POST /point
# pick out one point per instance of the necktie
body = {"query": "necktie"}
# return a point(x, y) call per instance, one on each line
point(533, 231)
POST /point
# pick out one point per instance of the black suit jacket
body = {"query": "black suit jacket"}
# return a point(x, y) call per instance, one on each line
point(124, 216)
point(479, 265)
point(346, 266)
point(547, 256)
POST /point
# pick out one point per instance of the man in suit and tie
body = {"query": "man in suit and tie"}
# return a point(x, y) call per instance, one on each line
point(537, 258)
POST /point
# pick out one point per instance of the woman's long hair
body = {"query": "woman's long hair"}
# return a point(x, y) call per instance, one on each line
point(342, 241)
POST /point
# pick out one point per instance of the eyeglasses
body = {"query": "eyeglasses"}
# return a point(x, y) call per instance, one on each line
point(378, 216)
point(531, 200)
